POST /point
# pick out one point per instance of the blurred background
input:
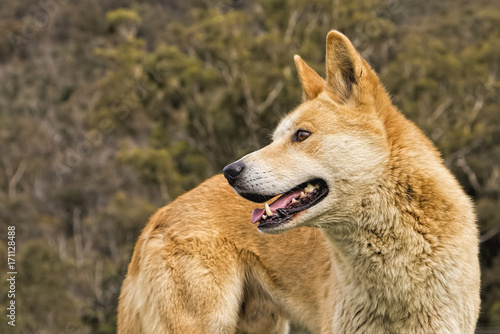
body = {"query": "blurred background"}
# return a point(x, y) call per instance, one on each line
point(111, 109)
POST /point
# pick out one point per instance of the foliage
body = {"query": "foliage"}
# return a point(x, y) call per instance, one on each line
point(111, 109)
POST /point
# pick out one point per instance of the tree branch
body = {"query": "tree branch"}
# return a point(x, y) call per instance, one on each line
point(271, 97)
point(292, 23)
point(14, 180)
point(77, 236)
point(441, 108)
point(462, 163)
point(490, 234)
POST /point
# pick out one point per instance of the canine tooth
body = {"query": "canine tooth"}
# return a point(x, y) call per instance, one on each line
point(264, 217)
point(268, 210)
point(302, 195)
point(294, 200)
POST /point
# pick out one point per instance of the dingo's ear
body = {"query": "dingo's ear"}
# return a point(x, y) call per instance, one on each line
point(343, 66)
point(312, 83)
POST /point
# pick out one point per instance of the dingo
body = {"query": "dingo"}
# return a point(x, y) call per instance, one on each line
point(380, 238)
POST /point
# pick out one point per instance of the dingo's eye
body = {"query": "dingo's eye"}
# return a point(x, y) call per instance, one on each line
point(301, 135)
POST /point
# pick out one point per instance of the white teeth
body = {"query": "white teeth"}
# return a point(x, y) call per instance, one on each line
point(302, 195)
point(309, 188)
point(268, 210)
point(294, 200)
point(264, 217)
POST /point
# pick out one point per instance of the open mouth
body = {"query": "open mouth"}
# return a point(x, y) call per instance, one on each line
point(298, 199)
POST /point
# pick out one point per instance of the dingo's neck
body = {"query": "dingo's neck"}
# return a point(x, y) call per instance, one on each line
point(400, 263)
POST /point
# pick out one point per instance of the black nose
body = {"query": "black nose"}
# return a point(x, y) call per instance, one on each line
point(232, 171)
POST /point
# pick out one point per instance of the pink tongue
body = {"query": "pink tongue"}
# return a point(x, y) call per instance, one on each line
point(279, 203)
point(257, 215)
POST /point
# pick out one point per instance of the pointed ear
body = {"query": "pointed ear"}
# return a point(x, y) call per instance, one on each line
point(312, 83)
point(343, 66)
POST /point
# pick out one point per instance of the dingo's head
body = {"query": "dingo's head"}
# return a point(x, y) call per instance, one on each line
point(327, 153)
